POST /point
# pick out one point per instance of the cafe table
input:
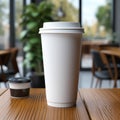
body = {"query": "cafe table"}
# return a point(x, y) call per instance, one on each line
point(92, 104)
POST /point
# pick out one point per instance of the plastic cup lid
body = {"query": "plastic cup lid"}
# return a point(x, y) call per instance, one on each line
point(19, 80)
point(59, 27)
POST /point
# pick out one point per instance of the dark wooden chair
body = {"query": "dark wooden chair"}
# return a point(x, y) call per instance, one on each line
point(9, 60)
point(4, 61)
point(103, 68)
point(13, 65)
point(114, 71)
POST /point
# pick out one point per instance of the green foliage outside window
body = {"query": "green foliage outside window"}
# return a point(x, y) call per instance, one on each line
point(2, 15)
point(103, 16)
point(70, 11)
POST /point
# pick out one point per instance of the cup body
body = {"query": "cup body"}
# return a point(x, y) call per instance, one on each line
point(61, 57)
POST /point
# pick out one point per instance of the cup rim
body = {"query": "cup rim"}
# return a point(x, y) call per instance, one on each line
point(63, 28)
point(77, 31)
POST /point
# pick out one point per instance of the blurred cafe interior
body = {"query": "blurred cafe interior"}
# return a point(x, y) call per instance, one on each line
point(100, 20)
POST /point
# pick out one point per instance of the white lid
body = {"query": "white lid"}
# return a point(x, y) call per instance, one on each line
point(61, 27)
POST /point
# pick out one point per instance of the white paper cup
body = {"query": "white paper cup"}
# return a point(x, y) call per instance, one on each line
point(61, 43)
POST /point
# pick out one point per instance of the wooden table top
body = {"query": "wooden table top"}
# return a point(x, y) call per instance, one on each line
point(3, 52)
point(92, 104)
point(102, 104)
point(111, 52)
point(115, 51)
point(35, 108)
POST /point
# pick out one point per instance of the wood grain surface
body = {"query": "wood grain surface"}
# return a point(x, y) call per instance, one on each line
point(2, 91)
point(35, 108)
point(102, 104)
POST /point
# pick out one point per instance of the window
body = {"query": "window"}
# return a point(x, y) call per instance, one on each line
point(97, 18)
point(97, 23)
point(4, 24)
point(66, 10)
point(18, 28)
